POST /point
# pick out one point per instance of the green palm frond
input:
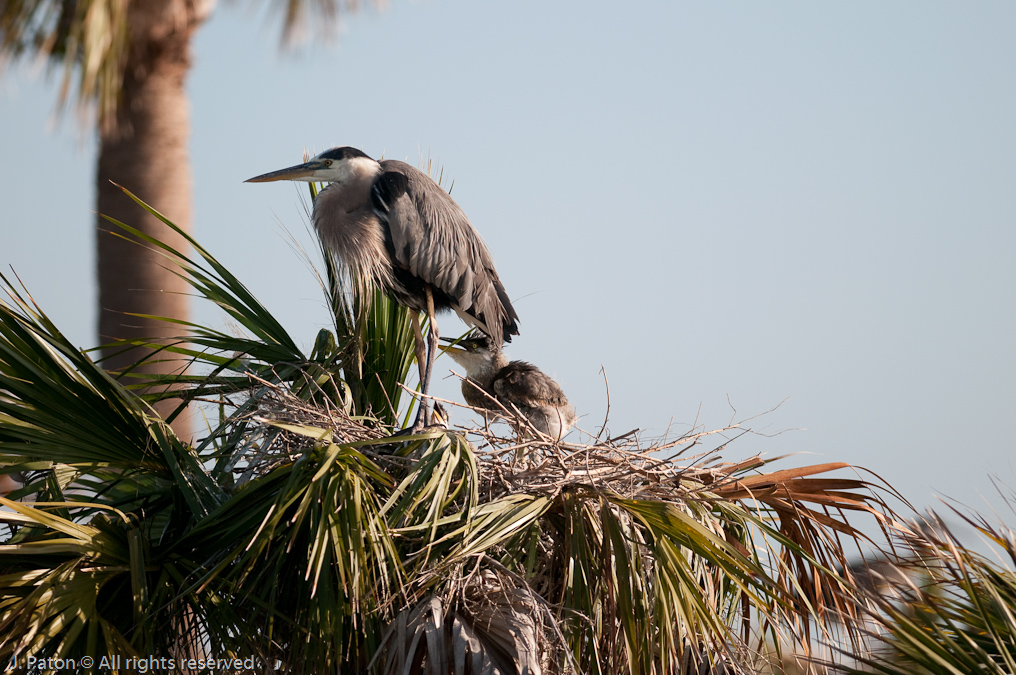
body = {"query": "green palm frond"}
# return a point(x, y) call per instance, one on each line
point(60, 409)
point(943, 608)
point(215, 283)
point(322, 558)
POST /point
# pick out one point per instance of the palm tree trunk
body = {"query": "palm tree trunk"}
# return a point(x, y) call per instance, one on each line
point(147, 153)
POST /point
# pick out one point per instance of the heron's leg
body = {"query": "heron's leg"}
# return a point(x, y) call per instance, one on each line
point(419, 346)
point(432, 336)
point(421, 363)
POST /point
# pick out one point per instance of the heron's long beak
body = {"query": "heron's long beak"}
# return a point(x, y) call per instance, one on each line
point(297, 172)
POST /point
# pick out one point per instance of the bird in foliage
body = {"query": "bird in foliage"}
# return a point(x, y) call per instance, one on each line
point(516, 385)
point(395, 229)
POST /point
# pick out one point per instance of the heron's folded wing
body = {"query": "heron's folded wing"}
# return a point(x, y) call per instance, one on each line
point(524, 384)
point(433, 240)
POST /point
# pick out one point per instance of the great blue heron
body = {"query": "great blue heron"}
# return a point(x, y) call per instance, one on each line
point(394, 228)
point(516, 385)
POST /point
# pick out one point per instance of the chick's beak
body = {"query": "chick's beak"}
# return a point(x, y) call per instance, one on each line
point(452, 349)
point(456, 345)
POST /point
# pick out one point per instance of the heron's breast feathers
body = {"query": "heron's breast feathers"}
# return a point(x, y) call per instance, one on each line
point(356, 239)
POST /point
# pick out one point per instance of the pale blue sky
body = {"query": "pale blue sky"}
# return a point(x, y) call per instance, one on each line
point(751, 201)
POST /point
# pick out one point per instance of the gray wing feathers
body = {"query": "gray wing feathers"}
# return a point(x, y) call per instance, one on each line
point(434, 240)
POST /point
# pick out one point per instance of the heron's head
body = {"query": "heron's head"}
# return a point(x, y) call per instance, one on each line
point(473, 353)
point(331, 166)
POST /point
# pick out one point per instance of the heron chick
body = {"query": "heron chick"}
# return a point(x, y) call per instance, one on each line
point(516, 385)
point(395, 229)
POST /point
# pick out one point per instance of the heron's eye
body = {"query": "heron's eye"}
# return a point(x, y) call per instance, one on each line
point(328, 162)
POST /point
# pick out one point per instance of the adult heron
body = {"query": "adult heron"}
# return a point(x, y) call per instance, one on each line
point(394, 228)
point(516, 385)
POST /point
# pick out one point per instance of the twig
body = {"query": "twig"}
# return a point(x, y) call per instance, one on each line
point(606, 414)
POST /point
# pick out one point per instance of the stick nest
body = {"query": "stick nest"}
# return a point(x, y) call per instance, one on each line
point(625, 466)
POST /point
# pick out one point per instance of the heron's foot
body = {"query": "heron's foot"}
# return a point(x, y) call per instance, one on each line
point(419, 426)
point(410, 431)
